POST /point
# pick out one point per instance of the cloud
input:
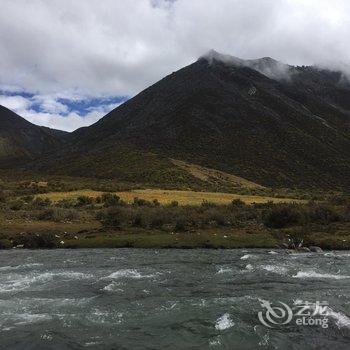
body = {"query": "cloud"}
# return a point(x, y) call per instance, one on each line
point(50, 104)
point(14, 103)
point(67, 122)
point(47, 110)
point(99, 49)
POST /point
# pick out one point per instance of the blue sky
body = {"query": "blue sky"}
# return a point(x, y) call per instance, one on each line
point(62, 113)
point(65, 64)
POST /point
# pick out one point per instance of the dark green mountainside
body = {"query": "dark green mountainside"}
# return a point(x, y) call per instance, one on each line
point(21, 141)
point(267, 122)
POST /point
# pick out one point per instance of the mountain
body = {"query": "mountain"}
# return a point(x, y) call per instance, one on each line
point(21, 141)
point(261, 120)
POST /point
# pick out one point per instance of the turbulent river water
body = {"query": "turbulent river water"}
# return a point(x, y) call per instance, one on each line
point(171, 299)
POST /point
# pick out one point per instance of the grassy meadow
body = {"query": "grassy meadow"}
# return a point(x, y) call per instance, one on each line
point(168, 196)
point(68, 213)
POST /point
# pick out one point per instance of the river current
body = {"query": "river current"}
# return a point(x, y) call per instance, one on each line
point(172, 299)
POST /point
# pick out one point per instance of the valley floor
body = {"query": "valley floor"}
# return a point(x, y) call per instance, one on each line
point(167, 196)
point(47, 217)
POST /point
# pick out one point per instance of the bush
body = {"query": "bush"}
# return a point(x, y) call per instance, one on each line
point(219, 217)
point(139, 202)
point(113, 217)
point(139, 220)
point(59, 214)
point(237, 203)
point(157, 222)
point(145, 214)
point(3, 197)
point(110, 199)
point(27, 199)
point(5, 244)
point(156, 203)
point(41, 202)
point(205, 204)
point(180, 224)
point(66, 203)
point(16, 204)
point(283, 216)
point(83, 201)
point(322, 214)
point(339, 200)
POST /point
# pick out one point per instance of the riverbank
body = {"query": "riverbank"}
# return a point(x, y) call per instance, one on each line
point(144, 238)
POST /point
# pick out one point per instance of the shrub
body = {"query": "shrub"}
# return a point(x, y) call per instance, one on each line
point(59, 214)
point(322, 214)
point(180, 224)
point(5, 244)
point(157, 222)
point(3, 197)
point(338, 199)
point(113, 217)
point(283, 216)
point(205, 204)
point(16, 204)
point(219, 217)
point(145, 214)
point(139, 220)
point(66, 203)
point(141, 202)
point(110, 199)
point(27, 199)
point(82, 201)
point(237, 203)
point(156, 203)
point(41, 202)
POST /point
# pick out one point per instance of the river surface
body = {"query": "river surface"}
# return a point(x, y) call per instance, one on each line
point(170, 299)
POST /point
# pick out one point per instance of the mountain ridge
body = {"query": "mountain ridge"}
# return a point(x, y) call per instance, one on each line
point(21, 141)
point(279, 130)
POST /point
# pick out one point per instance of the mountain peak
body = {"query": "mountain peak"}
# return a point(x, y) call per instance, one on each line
point(23, 140)
point(212, 55)
point(268, 66)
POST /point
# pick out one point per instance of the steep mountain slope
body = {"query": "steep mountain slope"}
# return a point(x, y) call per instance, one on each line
point(264, 121)
point(21, 140)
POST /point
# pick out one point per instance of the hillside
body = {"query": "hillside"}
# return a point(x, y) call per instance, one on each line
point(260, 120)
point(21, 140)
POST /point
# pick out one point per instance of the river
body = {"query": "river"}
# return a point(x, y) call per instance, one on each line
point(172, 299)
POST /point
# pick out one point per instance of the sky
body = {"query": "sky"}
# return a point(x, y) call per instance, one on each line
point(66, 63)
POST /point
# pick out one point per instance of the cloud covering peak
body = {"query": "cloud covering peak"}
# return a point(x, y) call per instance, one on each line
point(266, 65)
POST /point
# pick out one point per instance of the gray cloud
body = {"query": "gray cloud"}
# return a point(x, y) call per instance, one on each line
point(93, 48)
point(266, 65)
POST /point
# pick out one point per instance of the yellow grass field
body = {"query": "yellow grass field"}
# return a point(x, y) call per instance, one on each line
point(167, 196)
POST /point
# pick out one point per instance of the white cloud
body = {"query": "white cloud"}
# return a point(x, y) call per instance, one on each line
point(53, 113)
point(14, 103)
point(103, 48)
point(67, 122)
point(50, 104)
